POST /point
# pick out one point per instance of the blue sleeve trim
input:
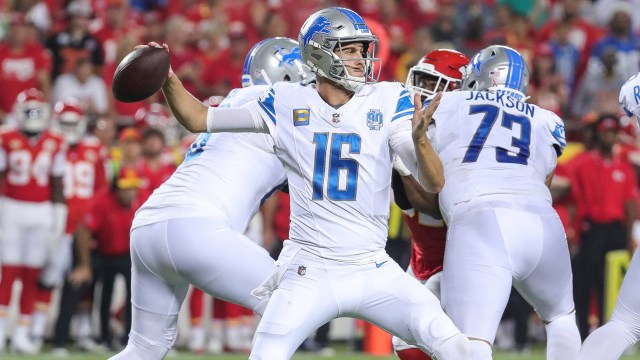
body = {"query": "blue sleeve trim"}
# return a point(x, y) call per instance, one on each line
point(271, 116)
point(404, 103)
point(402, 114)
point(267, 104)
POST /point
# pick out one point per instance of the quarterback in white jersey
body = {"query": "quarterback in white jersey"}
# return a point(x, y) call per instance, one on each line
point(499, 154)
point(190, 231)
point(623, 329)
point(336, 140)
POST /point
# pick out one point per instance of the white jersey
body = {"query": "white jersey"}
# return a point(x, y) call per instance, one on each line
point(338, 164)
point(492, 144)
point(223, 175)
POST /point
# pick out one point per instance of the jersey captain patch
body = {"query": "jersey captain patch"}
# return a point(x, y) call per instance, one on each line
point(300, 117)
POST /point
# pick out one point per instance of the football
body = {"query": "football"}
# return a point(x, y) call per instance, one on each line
point(140, 74)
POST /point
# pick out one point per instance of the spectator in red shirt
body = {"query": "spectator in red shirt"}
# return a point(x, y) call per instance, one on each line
point(224, 73)
point(156, 168)
point(116, 24)
point(23, 64)
point(604, 187)
point(184, 61)
point(106, 227)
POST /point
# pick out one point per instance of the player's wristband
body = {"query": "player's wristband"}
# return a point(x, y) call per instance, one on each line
point(399, 166)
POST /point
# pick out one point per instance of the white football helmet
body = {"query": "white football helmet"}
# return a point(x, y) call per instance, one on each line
point(32, 111)
point(630, 96)
point(330, 29)
point(70, 120)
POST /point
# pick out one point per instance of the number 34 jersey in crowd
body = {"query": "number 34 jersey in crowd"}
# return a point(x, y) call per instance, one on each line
point(338, 164)
point(29, 163)
point(492, 144)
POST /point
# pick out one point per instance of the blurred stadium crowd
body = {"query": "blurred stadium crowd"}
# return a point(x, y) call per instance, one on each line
point(580, 53)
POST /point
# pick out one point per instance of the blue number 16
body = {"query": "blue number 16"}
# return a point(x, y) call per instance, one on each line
point(336, 163)
point(480, 137)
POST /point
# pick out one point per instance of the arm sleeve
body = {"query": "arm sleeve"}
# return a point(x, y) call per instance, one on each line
point(242, 119)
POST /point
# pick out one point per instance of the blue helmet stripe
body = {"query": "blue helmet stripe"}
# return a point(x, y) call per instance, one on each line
point(516, 70)
point(249, 58)
point(357, 20)
point(507, 82)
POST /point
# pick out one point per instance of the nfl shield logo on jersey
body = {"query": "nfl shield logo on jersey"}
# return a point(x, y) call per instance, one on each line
point(374, 119)
point(302, 270)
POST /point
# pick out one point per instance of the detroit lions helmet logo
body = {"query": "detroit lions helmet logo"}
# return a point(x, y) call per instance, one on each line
point(319, 25)
point(476, 65)
point(288, 57)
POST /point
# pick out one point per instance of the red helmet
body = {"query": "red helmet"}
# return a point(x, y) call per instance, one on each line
point(155, 116)
point(32, 111)
point(439, 70)
point(70, 120)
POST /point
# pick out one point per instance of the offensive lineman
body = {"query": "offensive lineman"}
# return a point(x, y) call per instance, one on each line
point(191, 228)
point(499, 154)
point(336, 140)
point(439, 70)
point(609, 341)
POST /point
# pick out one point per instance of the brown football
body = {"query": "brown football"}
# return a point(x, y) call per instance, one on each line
point(140, 74)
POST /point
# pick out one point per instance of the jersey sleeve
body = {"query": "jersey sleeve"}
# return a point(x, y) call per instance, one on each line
point(400, 139)
point(555, 128)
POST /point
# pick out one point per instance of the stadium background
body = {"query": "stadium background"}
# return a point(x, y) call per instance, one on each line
point(579, 51)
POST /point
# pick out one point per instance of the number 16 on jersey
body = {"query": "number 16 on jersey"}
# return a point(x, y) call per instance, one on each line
point(342, 179)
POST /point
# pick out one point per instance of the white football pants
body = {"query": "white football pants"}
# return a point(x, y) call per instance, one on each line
point(169, 255)
point(26, 232)
point(433, 285)
point(313, 291)
point(492, 244)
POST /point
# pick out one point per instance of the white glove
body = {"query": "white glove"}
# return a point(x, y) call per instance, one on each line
point(59, 221)
point(399, 166)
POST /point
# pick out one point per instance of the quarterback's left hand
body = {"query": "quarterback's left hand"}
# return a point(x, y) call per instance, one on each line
point(422, 117)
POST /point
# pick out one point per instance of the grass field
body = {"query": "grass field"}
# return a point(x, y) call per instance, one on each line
point(534, 355)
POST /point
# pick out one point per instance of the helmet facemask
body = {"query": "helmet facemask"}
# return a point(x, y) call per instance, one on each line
point(72, 126)
point(428, 82)
point(339, 71)
point(322, 38)
point(33, 116)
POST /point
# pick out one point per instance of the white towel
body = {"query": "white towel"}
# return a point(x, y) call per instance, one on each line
point(288, 254)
